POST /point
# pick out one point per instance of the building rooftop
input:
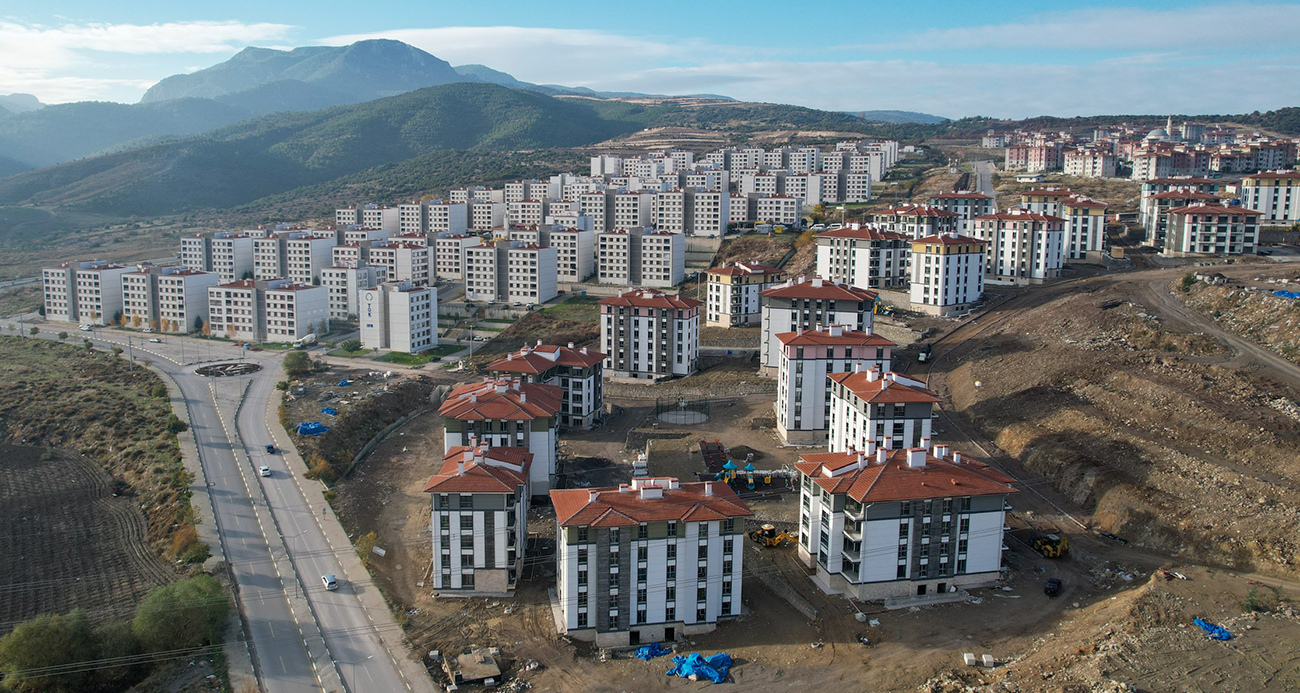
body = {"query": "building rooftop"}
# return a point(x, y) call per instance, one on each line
point(501, 399)
point(913, 210)
point(1201, 208)
point(538, 359)
point(832, 335)
point(884, 388)
point(818, 288)
point(1017, 214)
point(468, 469)
point(736, 269)
point(947, 239)
point(901, 475)
point(870, 233)
point(649, 298)
point(1183, 194)
point(960, 195)
point(647, 500)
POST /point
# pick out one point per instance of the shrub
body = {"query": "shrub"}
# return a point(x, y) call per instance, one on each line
point(297, 363)
point(159, 391)
point(351, 345)
point(1185, 284)
point(282, 386)
point(320, 469)
point(365, 543)
point(175, 425)
point(63, 335)
point(184, 537)
point(48, 641)
point(183, 614)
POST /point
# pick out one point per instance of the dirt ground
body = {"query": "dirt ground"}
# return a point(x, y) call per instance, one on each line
point(69, 538)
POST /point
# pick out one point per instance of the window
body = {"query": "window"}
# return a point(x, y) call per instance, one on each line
point(671, 572)
point(642, 532)
point(672, 528)
point(467, 581)
point(670, 614)
point(672, 551)
point(902, 572)
point(467, 521)
point(582, 534)
point(729, 526)
point(582, 619)
point(701, 614)
point(613, 620)
point(670, 594)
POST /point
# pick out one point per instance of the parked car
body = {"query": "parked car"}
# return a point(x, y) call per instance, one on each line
point(270, 449)
point(147, 329)
point(264, 470)
point(86, 328)
point(331, 583)
point(155, 340)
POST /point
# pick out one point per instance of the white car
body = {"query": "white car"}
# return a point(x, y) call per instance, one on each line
point(155, 340)
point(86, 328)
point(264, 470)
point(330, 582)
point(147, 329)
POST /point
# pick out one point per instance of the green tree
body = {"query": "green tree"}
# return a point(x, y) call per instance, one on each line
point(365, 544)
point(183, 614)
point(63, 335)
point(198, 323)
point(351, 345)
point(159, 391)
point(116, 640)
point(175, 425)
point(48, 641)
point(297, 363)
point(35, 331)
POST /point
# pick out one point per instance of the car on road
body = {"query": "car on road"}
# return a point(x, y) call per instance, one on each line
point(155, 340)
point(264, 470)
point(147, 330)
point(86, 328)
point(331, 583)
point(270, 449)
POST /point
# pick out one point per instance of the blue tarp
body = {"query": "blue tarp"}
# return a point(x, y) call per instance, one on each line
point(329, 411)
point(1287, 294)
point(713, 668)
point(312, 428)
point(1212, 631)
point(344, 383)
point(649, 652)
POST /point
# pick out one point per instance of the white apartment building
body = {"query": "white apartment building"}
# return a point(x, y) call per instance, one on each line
point(345, 284)
point(98, 288)
point(1211, 229)
point(600, 206)
point(269, 258)
point(294, 310)
point(446, 217)
point(59, 291)
point(856, 186)
point(347, 216)
point(578, 372)
point(449, 254)
point(1156, 208)
point(733, 295)
point(1090, 163)
point(485, 272)
point(741, 210)
point(479, 522)
point(1274, 194)
point(663, 259)
point(761, 184)
point(399, 316)
point(363, 235)
point(170, 299)
point(870, 407)
point(966, 205)
point(236, 309)
point(486, 215)
point(947, 274)
point(1046, 200)
point(527, 212)
point(306, 254)
point(803, 400)
point(413, 217)
point(878, 523)
point(805, 303)
point(574, 253)
point(402, 261)
point(631, 210)
point(864, 257)
point(381, 217)
point(651, 335)
point(1085, 227)
point(506, 413)
point(779, 209)
point(618, 257)
point(531, 272)
point(1023, 246)
point(649, 561)
point(712, 212)
point(916, 221)
point(227, 253)
point(674, 211)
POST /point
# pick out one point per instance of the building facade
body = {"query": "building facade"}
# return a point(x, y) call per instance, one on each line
point(733, 293)
point(947, 274)
point(503, 412)
point(399, 316)
point(870, 407)
point(1212, 229)
point(805, 303)
point(803, 400)
point(864, 257)
point(1023, 246)
point(1275, 195)
point(646, 334)
point(578, 372)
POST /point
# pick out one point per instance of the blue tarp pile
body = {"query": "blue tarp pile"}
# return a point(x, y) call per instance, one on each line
point(695, 665)
point(344, 383)
point(1287, 294)
point(329, 411)
point(312, 428)
point(649, 652)
point(1212, 631)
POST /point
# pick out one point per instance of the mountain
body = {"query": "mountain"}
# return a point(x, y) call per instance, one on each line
point(20, 103)
point(240, 163)
point(483, 73)
point(899, 117)
point(362, 71)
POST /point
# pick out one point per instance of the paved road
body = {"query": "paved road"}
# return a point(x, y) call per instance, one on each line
point(984, 178)
point(303, 637)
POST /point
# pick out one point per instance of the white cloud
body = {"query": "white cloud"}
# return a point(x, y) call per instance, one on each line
point(58, 63)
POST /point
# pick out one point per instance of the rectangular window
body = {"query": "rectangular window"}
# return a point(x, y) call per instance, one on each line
point(642, 531)
point(672, 551)
point(582, 534)
point(467, 522)
point(672, 528)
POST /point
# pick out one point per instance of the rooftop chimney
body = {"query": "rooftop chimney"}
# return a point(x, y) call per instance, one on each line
point(941, 451)
point(817, 282)
point(523, 397)
point(925, 443)
point(915, 458)
point(887, 443)
point(570, 345)
point(708, 488)
point(956, 457)
point(882, 455)
point(591, 496)
point(872, 375)
point(837, 330)
point(862, 459)
point(624, 488)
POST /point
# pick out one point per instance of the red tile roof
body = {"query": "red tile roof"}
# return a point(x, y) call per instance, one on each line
point(649, 298)
point(623, 506)
point(1183, 195)
point(502, 399)
point(1057, 192)
point(1182, 181)
point(1213, 209)
point(884, 389)
point(963, 195)
point(1019, 215)
point(915, 211)
point(825, 338)
point(543, 357)
point(819, 288)
point(1081, 201)
point(871, 482)
point(483, 470)
point(1275, 174)
point(948, 239)
point(743, 269)
point(869, 233)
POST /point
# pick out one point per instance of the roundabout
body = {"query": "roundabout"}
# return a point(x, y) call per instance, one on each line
point(224, 370)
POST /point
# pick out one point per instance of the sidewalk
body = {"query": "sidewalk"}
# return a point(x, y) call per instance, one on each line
point(408, 664)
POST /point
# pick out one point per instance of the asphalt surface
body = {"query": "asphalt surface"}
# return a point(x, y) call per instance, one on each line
point(285, 607)
point(984, 178)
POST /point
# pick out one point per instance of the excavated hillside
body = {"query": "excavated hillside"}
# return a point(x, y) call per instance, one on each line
point(1272, 321)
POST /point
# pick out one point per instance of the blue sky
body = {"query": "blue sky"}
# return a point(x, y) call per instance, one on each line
point(1003, 59)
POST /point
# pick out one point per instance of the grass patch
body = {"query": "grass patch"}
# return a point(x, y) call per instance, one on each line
point(405, 359)
point(21, 300)
point(350, 354)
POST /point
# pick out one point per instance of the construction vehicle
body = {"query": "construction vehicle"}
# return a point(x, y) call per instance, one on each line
point(924, 354)
point(879, 307)
point(1052, 545)
point(769, 537)
point(1053, 587)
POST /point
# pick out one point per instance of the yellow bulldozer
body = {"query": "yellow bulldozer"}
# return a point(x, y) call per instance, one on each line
point(769, 537)
point(1052, 545)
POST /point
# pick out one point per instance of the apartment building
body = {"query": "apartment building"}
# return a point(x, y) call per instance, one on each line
point(449, 253)
point(870, 407)
point(1037, 157)
point(864, 257)
point(878, 523)
point(1085, 227)
point(947, 274)
point(402, 261)
point(236, 309)
point(1150, 188)
point(171, 299)
point(915, 221)
point(505, 412)
point(381, 217)
point(479, 520)
point(362, 235)
point(647, 334)
point(412, 218)
point(486, 215)
point(227, 253)
point(1023, 246)
point(741, 210)
point(663, 259)
point(485, 274)
point(269, 258)
point(306, 254)
point(966, 205)
point(600, 206)
point(648, 561)
point(855, 186)
point(345, 284)
point(399, 316)
point(59, 291)
point(631, 210)
point(618, 257)
point(761, 184)
point(97, 286)
point(446, 217)
point(674, 211)
point(1274, 194)
point(578, 372)
point(806, 357)
point(347, 216)
point(574, 253)
point(531, 272)
point(1157, 206)
point(527, 212)
point(1211, 229)
point(711, 212)
point(805, 303)
point(294, 310)
point(779, 209)
point(1090, 163)
point(733, 295)
point(1045, 200)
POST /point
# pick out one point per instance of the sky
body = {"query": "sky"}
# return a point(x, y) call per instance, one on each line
point(1000, 59)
